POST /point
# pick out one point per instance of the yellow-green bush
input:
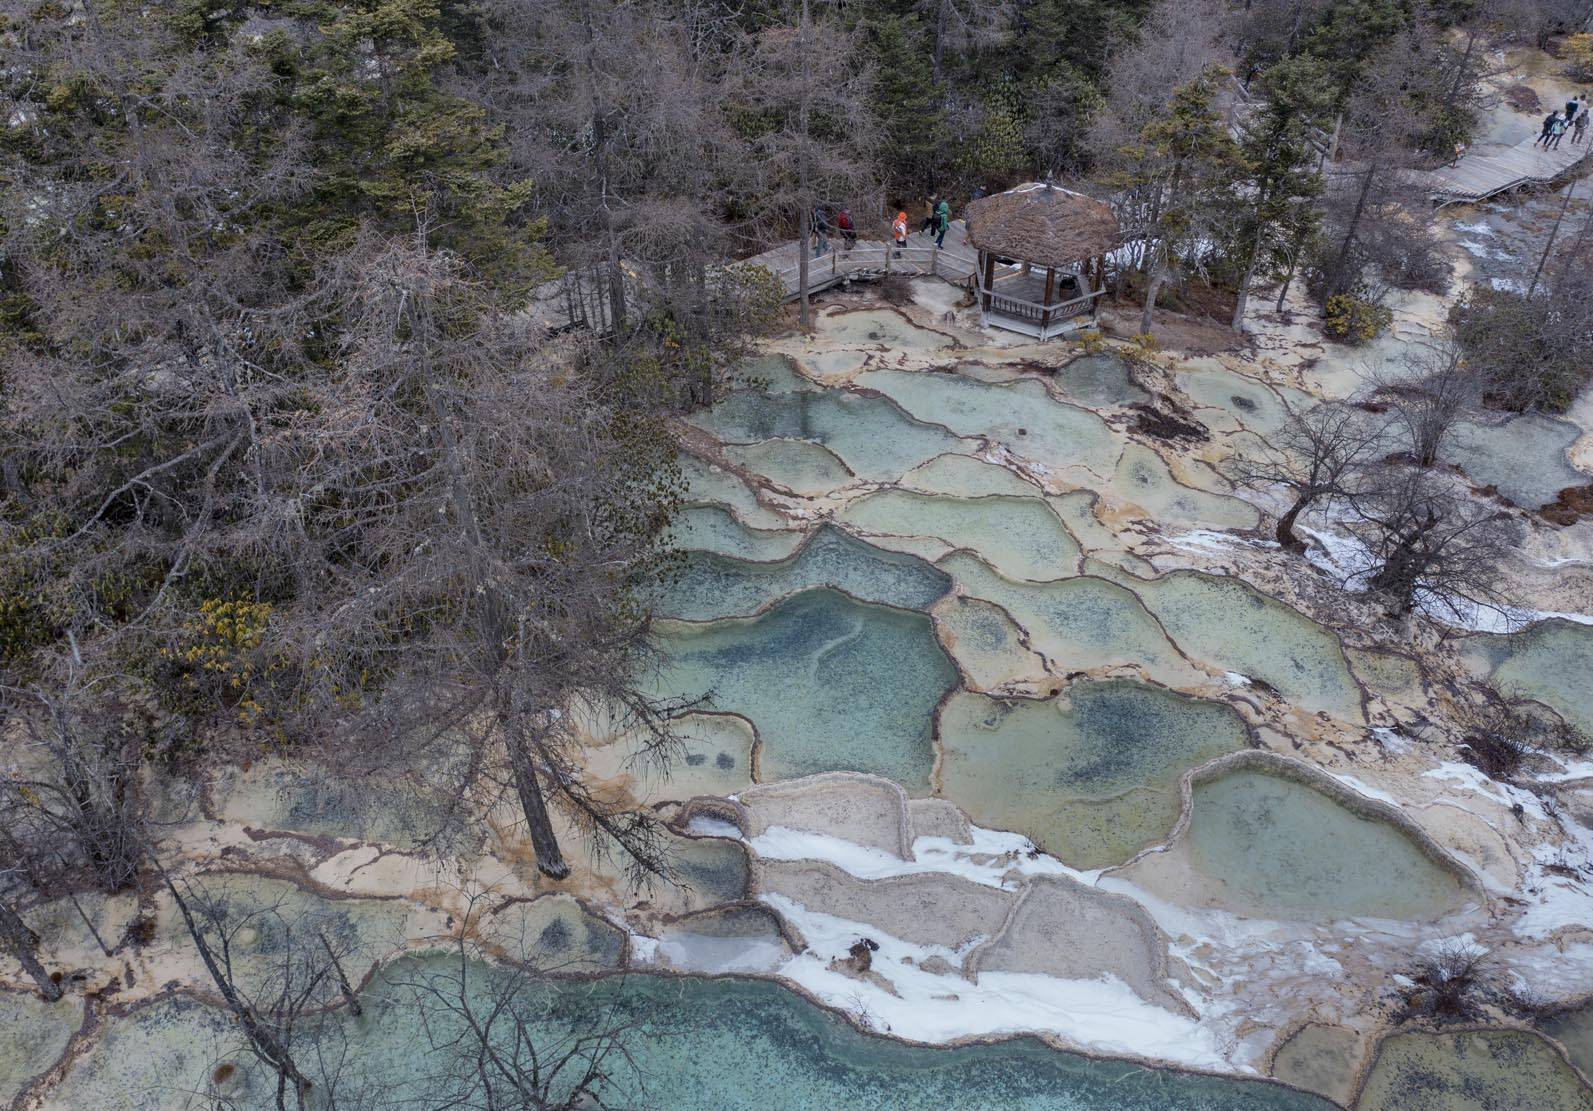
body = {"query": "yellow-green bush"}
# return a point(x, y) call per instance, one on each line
point(216, 662)
point(1353, 320)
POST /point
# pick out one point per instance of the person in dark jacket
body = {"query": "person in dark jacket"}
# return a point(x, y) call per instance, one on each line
point(1548, 128)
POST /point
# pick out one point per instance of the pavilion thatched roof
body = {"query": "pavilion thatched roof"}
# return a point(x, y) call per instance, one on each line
point(1043, 224)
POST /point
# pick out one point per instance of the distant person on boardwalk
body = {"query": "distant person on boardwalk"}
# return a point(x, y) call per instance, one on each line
point(1556, 133)
point(899, 228)
point(1579, 128)
point(843, 221)
point(942, 222)
point(1548, 128)
point(821, 230)
point(1572, 107)
point(929, 218)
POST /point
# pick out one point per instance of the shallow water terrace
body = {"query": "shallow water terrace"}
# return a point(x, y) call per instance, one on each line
point(1272, 847)
point(874, 438)
point(829, 684)
point(1472, 1071)
point(697, 1045)
point(709, 586)
point(1021, 537)
point(1551, 662)
point(1020, 415)
point(1524, 458)
point(1092, 776)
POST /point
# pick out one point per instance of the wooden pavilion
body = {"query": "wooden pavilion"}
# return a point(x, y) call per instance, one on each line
point(1042, 258)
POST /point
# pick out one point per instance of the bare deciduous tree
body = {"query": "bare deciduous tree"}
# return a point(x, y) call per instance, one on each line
point(74, 781)
point(284, 995)
point(497, 1037)
point(807, 87)
point(1319, 456)
point(1429, 391)
point(1432, 545)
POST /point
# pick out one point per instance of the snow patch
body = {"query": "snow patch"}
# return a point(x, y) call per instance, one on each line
point(1103, 1015)
point(994, 859)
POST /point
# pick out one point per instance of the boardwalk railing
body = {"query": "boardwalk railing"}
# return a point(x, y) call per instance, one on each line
point(871, 260)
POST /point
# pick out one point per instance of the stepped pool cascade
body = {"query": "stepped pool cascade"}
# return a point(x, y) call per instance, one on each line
point(829, 684)
point(1022, 538)
point(872, 436)
point(708, 586)
point(1091, 776)
point(1266, 845)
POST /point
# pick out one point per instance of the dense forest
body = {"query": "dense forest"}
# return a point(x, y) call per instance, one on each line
point(287, 464)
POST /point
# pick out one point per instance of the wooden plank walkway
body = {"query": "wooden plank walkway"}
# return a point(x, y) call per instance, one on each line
point(871, 258)
point(1484, 174)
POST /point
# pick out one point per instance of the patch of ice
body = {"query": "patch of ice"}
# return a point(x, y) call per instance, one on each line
point(995, 859)
point(1209, 540)
point(1391, 740)
point(689, 952)
point(1569, 769)
point(1234, 679)
point(1370, 792)
point(1103, 1015)
point(1508, 285)
point(1557, 902)
point(1460, 941)
point(644, 949)
point(1473, 779)
point(706, 825)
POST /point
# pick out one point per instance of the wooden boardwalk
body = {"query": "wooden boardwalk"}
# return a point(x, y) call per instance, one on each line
point(1484, 174)
point(871, 258)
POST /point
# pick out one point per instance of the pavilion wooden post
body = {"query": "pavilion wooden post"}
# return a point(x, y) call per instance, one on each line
point(987, 266)
point(1045, 302)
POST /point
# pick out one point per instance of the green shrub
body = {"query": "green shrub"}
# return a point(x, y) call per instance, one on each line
point(1354, 320)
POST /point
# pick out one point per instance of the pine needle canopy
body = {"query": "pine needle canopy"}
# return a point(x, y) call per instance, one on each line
point(1043, 224)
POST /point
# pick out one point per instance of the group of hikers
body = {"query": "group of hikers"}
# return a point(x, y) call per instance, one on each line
point(937, 218)
point(1557, 123)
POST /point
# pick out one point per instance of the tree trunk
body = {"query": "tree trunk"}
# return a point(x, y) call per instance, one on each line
point(1283, 290)
point(349, 997)
point(940, 38)
point(550, 860)
point(260, 1036)
point(1335, 282)
point(1286, 536)
point(1157, 277)
point(616, 273)
point(21, 942)
point(1554, 233)
point(1460, 70)
point(802, 171)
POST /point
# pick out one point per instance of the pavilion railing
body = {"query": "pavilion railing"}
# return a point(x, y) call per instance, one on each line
point(1037, 311)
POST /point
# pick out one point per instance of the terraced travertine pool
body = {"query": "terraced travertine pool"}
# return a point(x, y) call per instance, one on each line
point(949, 577)
point(697, 1044)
